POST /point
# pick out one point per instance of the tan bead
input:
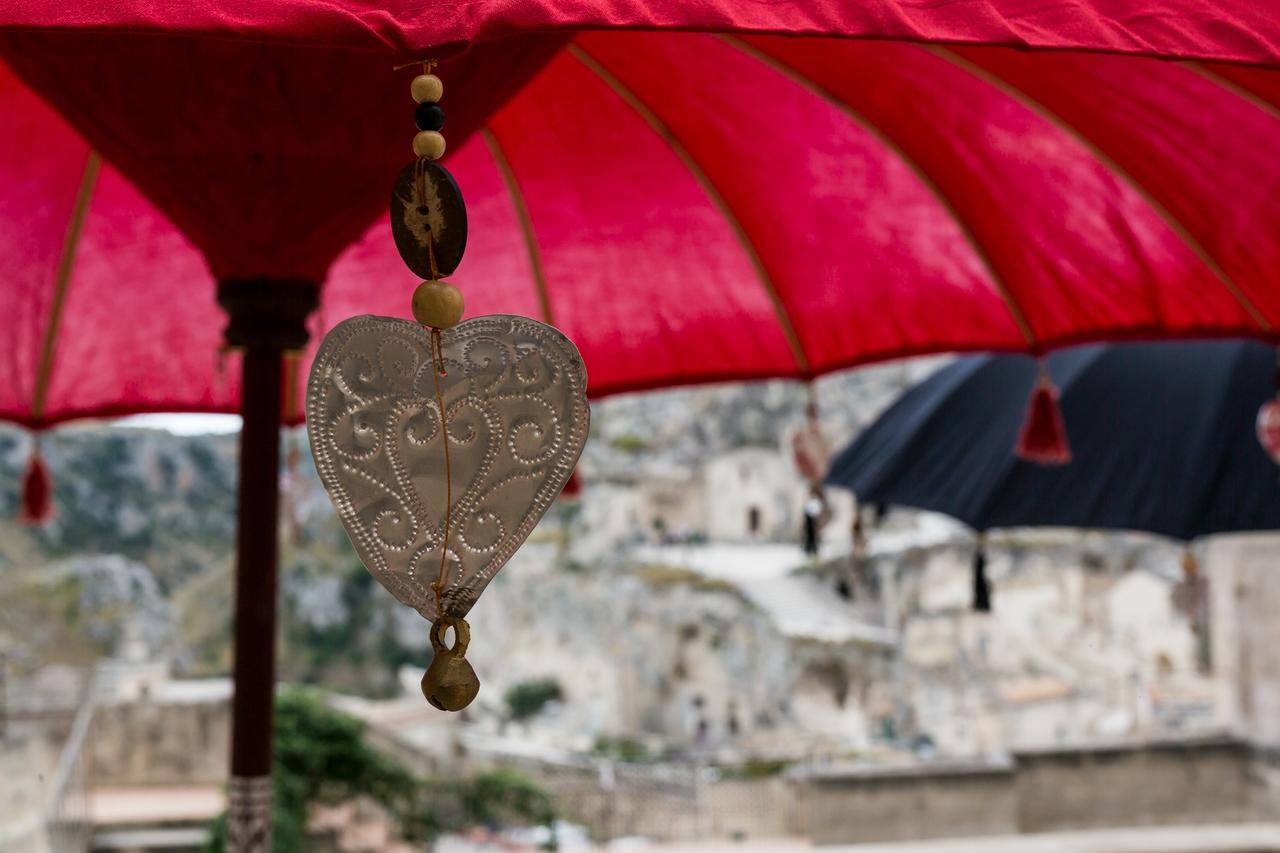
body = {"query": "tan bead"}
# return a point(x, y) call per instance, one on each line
point(429, 144)
point(426, 88)
point(438, 304)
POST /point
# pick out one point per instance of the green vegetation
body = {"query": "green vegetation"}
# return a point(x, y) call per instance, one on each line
point(505, 798)
point(527, 698)
point(321, 757)
point(755, 768)
point(622, 748)
point(48, 614)
point(658, 575)
point(630, 443)
point(543, 535)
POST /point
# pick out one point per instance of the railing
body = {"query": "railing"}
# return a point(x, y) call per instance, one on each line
point(67, 820)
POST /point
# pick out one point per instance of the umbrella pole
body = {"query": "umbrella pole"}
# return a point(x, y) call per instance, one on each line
point(267, 318)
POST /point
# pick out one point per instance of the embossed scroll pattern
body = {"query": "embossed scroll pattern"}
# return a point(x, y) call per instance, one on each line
point(517, 419)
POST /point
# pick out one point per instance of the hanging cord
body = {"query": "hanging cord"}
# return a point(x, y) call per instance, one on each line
point(438, 371)
point(420, 193)
point(437, 359)
point(427, 65)
point(420, 186)
point(431, 255)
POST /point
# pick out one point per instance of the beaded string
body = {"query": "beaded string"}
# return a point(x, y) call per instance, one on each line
point(428, 145)
point(420, 178)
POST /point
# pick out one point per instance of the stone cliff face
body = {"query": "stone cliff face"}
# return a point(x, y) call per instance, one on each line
point(659, 651)
point(165, 500)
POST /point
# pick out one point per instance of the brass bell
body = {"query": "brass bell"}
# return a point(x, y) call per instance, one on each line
point(450, 683)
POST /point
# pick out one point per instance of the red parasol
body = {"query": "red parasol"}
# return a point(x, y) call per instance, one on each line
point(688, 207)
point(642, 195)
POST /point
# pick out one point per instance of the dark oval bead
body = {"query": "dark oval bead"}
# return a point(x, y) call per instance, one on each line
point(428, 117)
point(439, 212)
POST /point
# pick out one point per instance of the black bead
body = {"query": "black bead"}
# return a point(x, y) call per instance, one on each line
point(428, 117)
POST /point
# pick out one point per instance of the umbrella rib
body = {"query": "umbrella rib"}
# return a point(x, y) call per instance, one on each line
point(984, 257)
point(526, 224)
point(1176, 226)
point(712, 192)
point(61, 281)
point(1232, 87)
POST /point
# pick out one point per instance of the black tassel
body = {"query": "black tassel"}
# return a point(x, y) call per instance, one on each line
point(981, 584)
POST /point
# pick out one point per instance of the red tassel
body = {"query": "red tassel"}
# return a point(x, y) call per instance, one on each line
point(1044, 434)
point(573, 487)
point(37, 491)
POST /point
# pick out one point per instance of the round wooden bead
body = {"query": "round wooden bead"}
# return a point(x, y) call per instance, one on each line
point(429, 144)
point(438, 304)
point(426, 88)
point(428, 116)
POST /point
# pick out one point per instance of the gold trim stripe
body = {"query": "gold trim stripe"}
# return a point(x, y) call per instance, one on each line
point(997, 280)
point(61, 281)
point(1174, 224)
point(526, 224)
point(779, 307)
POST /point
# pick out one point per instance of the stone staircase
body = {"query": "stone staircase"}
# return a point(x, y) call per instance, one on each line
point(765, 574)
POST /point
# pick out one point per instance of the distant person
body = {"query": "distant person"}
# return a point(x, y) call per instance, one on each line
point(858, 534)
point(816, 514)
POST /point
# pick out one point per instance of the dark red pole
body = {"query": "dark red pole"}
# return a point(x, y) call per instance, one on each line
point(268, 318)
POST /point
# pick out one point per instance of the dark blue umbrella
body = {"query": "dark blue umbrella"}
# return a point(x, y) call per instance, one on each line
point(1162, 437)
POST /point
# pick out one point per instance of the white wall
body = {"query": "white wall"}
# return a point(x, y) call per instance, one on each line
point(746, 478)
point(1244, 601)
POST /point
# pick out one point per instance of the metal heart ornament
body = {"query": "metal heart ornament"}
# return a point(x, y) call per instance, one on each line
point(516, 416)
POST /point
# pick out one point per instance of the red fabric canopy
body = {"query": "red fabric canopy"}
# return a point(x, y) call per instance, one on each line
point(687, 207)
point(272, 159)
point(1232, 30)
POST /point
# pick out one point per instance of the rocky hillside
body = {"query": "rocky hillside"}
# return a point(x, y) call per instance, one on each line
point(684, 426)
point(138, 559)
point(138, 564)
point(163, 500)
